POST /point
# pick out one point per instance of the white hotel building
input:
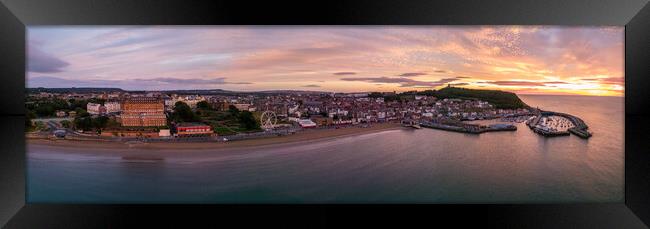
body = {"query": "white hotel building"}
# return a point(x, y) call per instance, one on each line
point(113, 107)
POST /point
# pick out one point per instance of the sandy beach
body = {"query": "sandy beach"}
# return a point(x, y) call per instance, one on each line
point(300, 137)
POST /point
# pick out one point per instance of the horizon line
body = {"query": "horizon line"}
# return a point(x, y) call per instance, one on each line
point(271, 90)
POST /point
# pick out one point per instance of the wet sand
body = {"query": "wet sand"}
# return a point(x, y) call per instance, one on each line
point(165, 148)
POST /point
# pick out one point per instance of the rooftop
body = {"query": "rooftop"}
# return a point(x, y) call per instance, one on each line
point(189, 124)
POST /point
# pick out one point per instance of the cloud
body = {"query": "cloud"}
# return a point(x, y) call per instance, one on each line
point(555, 82)
point(185, 81)
point(515, 83)
point(402, 81)
point(311, 85)
point(300, 55)
point(524, 83)
point(344, 73)
point(220, 80)
point(41, 62)
point(411, 74)
point(131, 84)
point(607, 80)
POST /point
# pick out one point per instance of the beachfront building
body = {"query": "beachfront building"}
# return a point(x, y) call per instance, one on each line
point(193, 129)
point(143, 111)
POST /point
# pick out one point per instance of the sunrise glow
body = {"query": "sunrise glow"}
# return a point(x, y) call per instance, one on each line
point(521, 59)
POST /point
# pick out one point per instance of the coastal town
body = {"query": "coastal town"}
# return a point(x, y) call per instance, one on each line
point(176, 116)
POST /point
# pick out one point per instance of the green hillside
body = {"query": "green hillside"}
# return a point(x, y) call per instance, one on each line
point(500, 99)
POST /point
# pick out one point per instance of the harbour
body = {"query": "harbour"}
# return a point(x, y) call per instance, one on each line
point(538, 125)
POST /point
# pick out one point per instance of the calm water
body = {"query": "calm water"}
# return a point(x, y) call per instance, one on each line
point(415, 166)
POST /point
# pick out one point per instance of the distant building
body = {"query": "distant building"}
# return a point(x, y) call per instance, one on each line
point(358, 94)
point(45, 95)
point(169, 103)
point(143, 111)
point(306, 123)
point(113, 107)
point(219, 105)
point(94, 108)
point(242, 106)
point(190, 100)
point(61, 114)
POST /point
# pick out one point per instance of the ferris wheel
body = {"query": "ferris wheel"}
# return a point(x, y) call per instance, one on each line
point(268, 119)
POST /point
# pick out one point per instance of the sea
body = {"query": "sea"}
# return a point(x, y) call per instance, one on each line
point(393, 166)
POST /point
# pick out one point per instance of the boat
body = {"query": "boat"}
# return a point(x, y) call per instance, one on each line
point(416, 126)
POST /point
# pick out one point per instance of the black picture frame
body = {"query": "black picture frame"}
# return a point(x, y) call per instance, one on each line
point(15, 15)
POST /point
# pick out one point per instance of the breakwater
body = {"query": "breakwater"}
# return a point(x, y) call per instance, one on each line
point(468, 128)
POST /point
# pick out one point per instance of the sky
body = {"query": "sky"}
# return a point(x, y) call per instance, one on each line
point(520, 59)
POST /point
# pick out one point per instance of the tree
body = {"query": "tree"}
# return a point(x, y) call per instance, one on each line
point(248, 121)
point(81, 112)
point(59, 104)
point(183, 113)
point(375, 95)
point(40, 125)
point(203, 105)
point(233, 110)
point(76, 104)
point(97, 100)
point(66, 123)
point(28, 118)
point(83, 123)
point(100, 122)
point(45, 109)
point(112, 123)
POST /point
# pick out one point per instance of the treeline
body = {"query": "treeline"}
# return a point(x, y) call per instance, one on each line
point(48, 107)
point(44, 108)
point(499, 99)
point(83, 121)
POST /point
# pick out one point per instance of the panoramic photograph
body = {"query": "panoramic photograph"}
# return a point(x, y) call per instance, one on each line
point(325, 114)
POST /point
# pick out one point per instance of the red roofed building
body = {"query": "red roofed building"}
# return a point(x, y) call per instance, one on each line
point(186, 129)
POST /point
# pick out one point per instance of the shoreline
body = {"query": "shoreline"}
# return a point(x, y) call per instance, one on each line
point(306, 136)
